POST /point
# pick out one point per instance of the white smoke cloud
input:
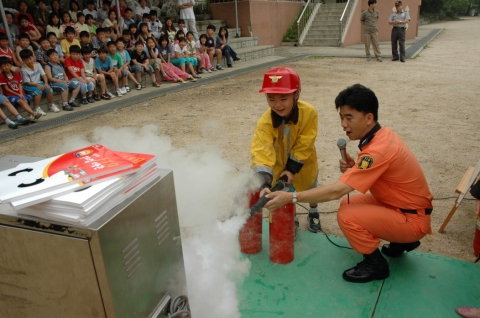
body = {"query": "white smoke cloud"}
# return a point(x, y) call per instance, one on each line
point(205, 185)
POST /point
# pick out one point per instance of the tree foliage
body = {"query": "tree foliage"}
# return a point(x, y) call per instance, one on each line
point(447, 8)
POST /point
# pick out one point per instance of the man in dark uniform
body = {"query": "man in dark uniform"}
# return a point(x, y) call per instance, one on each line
point(399, 19)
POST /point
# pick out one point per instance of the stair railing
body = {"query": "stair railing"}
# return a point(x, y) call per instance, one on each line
point(310, 6)
point(344, 19)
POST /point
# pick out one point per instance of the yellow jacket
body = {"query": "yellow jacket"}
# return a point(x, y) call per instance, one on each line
point(274, 143)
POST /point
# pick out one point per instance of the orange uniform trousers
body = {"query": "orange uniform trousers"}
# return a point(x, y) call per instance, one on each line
point(365, 221)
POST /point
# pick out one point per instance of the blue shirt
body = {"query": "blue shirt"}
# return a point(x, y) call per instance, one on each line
point(104, 66)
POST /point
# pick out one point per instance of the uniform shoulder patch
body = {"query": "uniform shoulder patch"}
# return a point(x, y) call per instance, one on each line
point(365, 162)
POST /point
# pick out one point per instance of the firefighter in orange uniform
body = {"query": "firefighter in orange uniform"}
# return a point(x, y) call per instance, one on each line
point(399, 204)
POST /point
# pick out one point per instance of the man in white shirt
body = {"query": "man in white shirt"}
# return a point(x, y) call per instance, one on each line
point(141, 9)
point(187, 14)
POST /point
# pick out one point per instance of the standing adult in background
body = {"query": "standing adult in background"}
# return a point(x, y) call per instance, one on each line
point(399, 19)
point(369, 20)
point(187, 14)
point(140, 10)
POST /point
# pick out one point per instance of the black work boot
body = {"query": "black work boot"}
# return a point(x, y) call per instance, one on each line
point(374, 266)
point(397, 249)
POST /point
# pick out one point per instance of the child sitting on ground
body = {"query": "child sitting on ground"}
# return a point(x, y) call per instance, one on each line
point(127, 20)
point(222, 44)
point(165, 54)
point(201, 46)
point(90, 10)
point(129, 42)
point(191, 48)
point(24, 44)
point(155, 62)
point(211, 50)
point(11, 83)
point(36, 81)
point(67, 22)
point(155, 25)
point(41, 16)
point(52, 38)
point(58, 80)
point(26, 27)
point(141, 63)
point(181, 58)
point(41, 53)
point(54, 25)
point(76, 76)
point(92, 27)
point(85, 42)
point(126, 63)
point(69, 41)
point(181, 26)
point(20, 120)
point(81, 25)
point(117, 63)
point(104, 65)
point(92, 75)
point(100, 41)
point(7, 52)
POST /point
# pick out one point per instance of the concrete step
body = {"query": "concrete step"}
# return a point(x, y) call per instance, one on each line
point(323, 33)
point(324, 9)
point(321, 42)
point(328, 25)
point(320, 18)
point(238, 43)
point(254, 52)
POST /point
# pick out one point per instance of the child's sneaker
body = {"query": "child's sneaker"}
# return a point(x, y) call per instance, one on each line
point(123, 90)
point(139, 86)
point(24, 121)
point(203, 71)
point(212, 69)
point(209, 71)
point(105, 96)
point(97, 97)
point(90, 99)
point(181, 81)
point(84, 101)
point(74, 104)
point(12, 125)
point(53, 108)
point(219, 67)
point(127, 89)
point(39, 110)
point(67, 107)
point(197, 76)
point(109, 94)
point(157, 80)
point(119, 92)
point(37, 115)
point(193, 79)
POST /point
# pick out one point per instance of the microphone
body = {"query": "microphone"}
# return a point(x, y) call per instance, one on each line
point(342, 146)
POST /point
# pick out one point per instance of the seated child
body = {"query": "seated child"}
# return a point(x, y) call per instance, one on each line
point(141, 63)
point(20, 120)
point(41, 16)
point(155, 62)
point(104, 65)
point(81, 25)
point(100, 41)
point(182, 58)
point(127, 20)
point(55, 25)
point(52, 38)
point(36, 81)
point(92, 75)
point(7, 52)
point(191, 48)
point(211, 50)
point(90, 10)
point(68, 23)
point(24, 44)
point(69, 41)
point(102, 13)
point(165, 54)
point(59, 81)
point(126, 64)
point(26, 27)
point(129, 41)
point(41, 53)
point(92, 27)
point(111, 24)
point(202, 53)
point(222, 44)
point(85, 42)
point(11, 83)
point(76, 76)
point(123, 7)
point(155, 24)
point(108, 35)
point(181, 26)
point(117, 63)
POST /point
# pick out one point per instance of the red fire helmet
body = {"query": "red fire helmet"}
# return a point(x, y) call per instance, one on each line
point(281, 80)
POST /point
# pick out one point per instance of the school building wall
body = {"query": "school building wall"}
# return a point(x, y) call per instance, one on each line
point(354, 32)
point(269, 20)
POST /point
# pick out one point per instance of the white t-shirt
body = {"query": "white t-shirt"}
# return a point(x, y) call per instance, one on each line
point(140, 11)
point(178, 49)
point(93, 13)
point(188, 12)
point(33, 76)
point(89, 67)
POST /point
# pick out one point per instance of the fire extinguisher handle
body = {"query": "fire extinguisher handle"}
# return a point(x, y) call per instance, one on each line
point(279, 185)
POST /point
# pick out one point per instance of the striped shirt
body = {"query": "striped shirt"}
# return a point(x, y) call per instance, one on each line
point(370, 19)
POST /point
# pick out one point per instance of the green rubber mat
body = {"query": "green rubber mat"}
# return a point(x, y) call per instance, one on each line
point(420, 285)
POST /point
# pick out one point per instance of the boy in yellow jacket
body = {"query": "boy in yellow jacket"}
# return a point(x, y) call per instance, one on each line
point(284, 139)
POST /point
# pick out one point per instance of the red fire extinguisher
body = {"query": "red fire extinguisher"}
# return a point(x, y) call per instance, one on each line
point(282, 234)
point(476, 240)
point(250, 236)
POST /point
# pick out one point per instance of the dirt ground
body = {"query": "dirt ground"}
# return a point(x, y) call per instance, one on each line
point(430, 101)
